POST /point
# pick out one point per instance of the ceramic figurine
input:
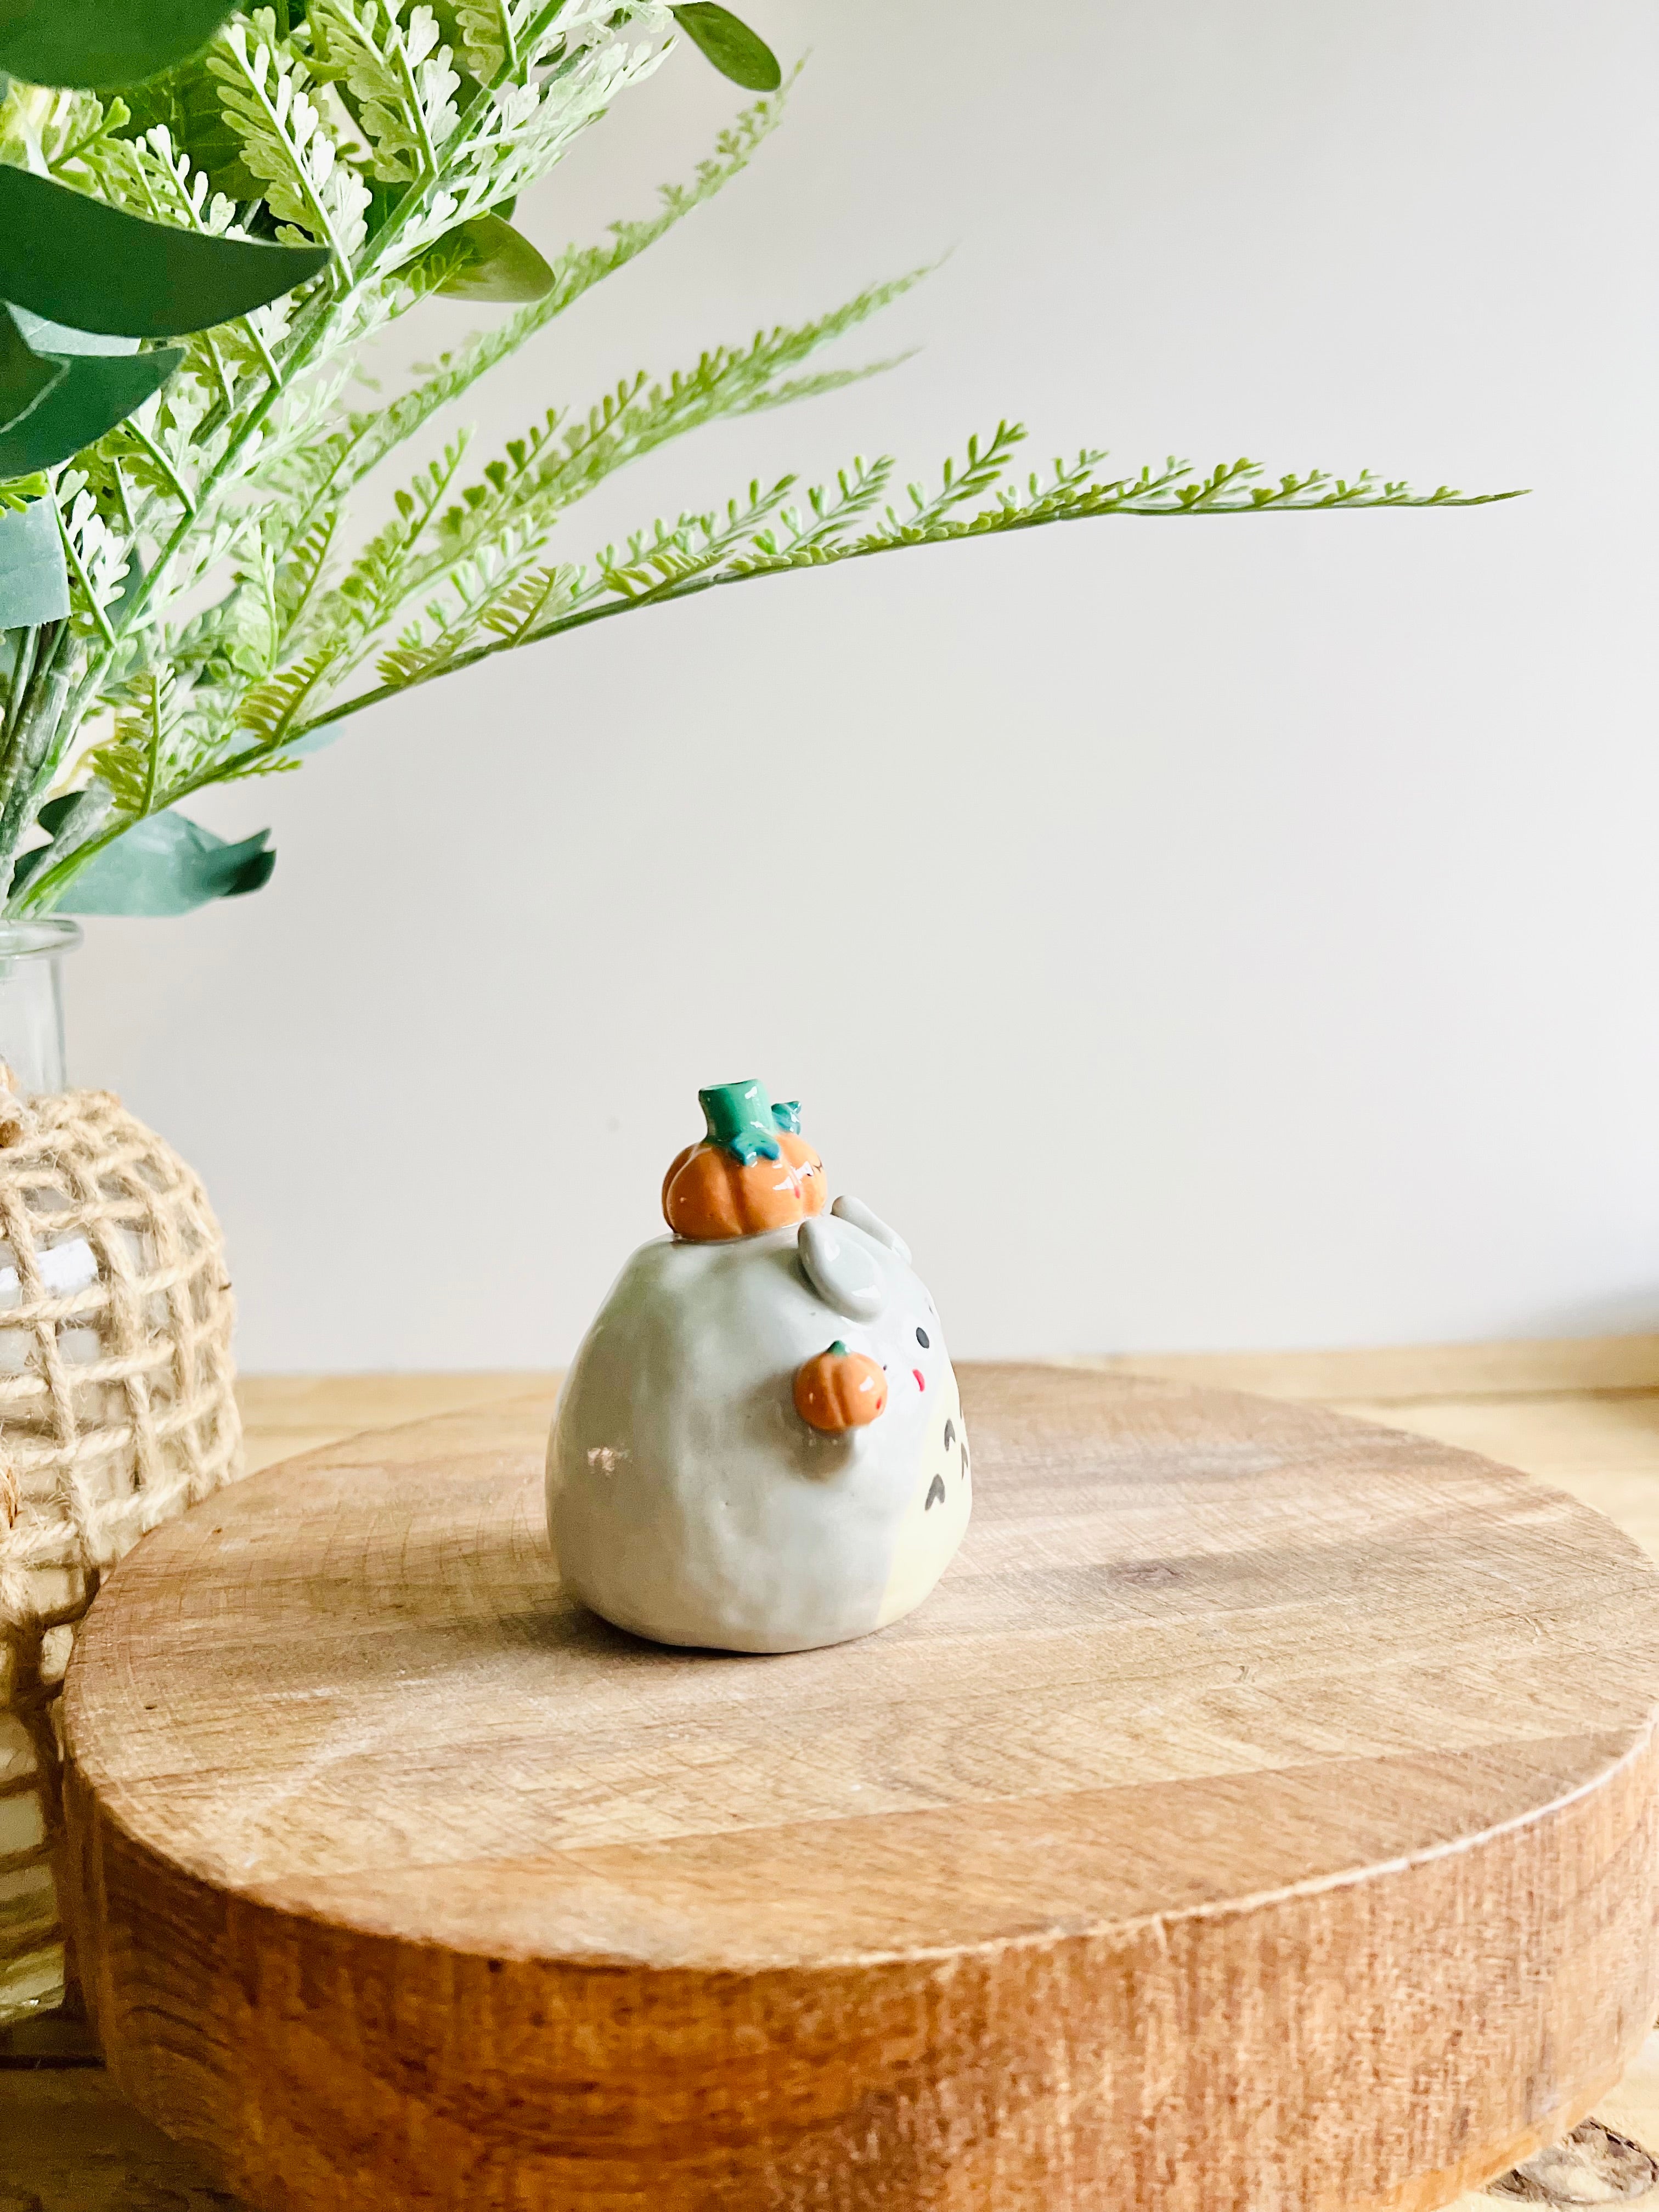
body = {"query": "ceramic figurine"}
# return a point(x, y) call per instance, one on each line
point(759, 1445)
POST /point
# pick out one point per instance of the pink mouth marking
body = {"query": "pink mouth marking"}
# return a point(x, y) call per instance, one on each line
point(920, 1385)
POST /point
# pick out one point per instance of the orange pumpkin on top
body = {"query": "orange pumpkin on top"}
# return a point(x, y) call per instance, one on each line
point(753, 1172)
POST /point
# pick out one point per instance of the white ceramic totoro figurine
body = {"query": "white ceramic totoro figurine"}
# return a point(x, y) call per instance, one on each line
point(759, 1445)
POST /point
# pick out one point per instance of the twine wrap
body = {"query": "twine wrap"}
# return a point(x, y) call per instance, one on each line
point(116, 1411)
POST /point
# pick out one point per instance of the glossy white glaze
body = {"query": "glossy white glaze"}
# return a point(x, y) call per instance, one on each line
point(687, 1499)
point(847, 1208)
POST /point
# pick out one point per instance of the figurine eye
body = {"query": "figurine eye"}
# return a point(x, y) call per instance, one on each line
point(923, 1339)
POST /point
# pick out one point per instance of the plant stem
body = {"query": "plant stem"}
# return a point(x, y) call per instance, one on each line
point(30, 745)
point(416, 107)
point(22, 676)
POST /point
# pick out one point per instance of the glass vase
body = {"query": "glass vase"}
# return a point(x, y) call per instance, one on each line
point(31, 1001)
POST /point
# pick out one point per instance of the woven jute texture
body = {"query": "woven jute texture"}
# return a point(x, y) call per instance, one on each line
point(116, 1411)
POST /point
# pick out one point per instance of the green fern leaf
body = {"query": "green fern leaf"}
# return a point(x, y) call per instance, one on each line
point(68, 135)
point(486, 37)
point(533, 599)
point(270, 711)
point(382, 576)
point(542, 474)
point(575, 272)
point(134, 760)
point(399, 78)
point(413, 660)
point(300, 577)
point(225, 495)
point(266, 94)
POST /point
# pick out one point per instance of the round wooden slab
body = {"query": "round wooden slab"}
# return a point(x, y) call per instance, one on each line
point(1261, 1813)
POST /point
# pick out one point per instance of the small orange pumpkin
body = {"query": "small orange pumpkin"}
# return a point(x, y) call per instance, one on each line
point(838, 1389)
point(712, 1195)
point(753, 1172)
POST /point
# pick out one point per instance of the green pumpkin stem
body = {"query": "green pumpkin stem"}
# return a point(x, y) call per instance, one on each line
point(739, 1117)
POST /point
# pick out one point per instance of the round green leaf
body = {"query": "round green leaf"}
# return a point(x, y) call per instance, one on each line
point(26, 377)
point(89, 394)
point(502, 265)
point(167, 865)
point(79, 261)
point(33, 576)
point(735, 50)
point(103, 42)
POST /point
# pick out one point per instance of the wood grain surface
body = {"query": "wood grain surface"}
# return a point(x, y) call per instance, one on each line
point(1261, 1813)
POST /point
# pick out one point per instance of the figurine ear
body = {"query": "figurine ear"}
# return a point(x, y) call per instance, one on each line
point(856, 1211)
point(841, 1267)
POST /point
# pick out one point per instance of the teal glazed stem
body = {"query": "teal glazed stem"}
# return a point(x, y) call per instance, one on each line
point(739, 1116)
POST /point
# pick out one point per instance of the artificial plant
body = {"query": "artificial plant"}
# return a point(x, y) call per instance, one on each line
point(227, 609)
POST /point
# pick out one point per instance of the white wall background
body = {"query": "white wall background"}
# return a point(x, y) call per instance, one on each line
point(1215, 933)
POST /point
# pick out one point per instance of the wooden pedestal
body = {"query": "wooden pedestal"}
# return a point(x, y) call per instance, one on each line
point(1261, 1813)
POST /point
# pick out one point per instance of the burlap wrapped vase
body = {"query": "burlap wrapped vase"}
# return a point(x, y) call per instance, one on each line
point(116, 1411)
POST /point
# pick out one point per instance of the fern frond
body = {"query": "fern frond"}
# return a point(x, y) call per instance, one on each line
point(668, 557)
point(540, 475)
point(761, 537)
point(16, 492)
point(68, 135)
point(278, 605)
point(271, 710)
point(97, 554)
point(575, 271)
point(263, 765)
point(399, 78)
point(265, 94)
point(531, 599)
point(300, 575)
point(212, 613)
point(573, 60)
point(382, 576)
point(503, 593)
point(134, 762)
point(413, 659)
point(489, 38)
